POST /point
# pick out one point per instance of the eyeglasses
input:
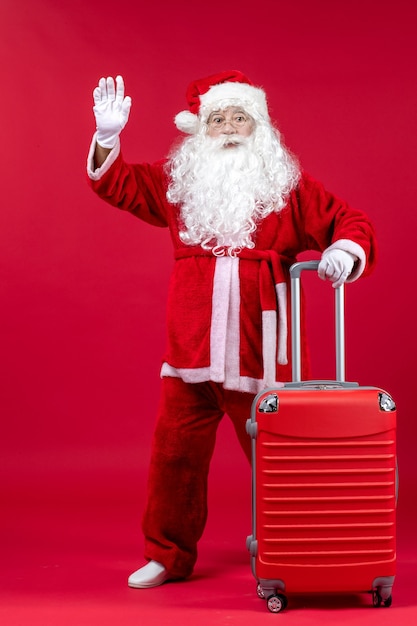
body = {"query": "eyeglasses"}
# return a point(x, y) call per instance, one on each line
point(217, 121)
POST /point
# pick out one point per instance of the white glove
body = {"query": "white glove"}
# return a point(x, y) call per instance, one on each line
point(336, 265)
point(111, 110)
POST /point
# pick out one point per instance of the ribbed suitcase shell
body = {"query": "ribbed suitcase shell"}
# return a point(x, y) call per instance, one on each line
point(324, 486)
point(324, 481)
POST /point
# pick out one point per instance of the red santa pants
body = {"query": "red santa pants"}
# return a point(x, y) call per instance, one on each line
point(183, 445)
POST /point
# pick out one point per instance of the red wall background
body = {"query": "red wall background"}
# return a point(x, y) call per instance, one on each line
point(83, 287)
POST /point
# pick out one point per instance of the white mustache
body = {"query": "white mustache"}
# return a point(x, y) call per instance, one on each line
point(227, 140)
point(234, 139)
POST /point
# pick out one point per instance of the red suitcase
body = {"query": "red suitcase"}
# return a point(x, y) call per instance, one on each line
point(324, 483)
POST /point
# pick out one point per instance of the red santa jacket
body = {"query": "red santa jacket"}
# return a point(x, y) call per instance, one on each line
point(227, 317)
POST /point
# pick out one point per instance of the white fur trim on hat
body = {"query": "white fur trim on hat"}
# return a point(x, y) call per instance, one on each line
point(251, 98)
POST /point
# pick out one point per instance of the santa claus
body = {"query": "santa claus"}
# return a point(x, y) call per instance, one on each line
point(239, 210)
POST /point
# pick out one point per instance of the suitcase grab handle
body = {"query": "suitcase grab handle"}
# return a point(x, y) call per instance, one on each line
point(295, 273)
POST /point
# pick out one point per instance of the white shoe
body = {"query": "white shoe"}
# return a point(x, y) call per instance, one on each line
point(150, 575)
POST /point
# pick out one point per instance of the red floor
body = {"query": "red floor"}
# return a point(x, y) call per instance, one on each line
point(70, 539)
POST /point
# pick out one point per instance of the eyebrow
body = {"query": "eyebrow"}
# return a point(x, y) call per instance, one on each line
point(235, 110)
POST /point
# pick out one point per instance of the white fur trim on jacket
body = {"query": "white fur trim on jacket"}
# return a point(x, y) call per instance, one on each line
point(97, 173)
point(225, 348)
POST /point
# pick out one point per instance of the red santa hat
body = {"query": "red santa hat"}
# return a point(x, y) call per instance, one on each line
point(229, 88)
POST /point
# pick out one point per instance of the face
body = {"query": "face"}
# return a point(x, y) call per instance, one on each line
point(230, 121)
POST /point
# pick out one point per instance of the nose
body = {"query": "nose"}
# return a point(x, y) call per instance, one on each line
point(228, 128)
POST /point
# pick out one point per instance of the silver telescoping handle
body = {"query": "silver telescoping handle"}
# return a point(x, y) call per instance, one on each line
point(295, 273)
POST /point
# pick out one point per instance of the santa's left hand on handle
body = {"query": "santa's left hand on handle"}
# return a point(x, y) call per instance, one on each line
point(336, 265)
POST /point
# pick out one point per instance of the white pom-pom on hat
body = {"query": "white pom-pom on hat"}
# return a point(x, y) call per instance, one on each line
point(187, 122)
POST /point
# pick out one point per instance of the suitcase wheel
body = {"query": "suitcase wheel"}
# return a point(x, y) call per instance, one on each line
point(378, 601)
point(276, 603)
point(260, 591)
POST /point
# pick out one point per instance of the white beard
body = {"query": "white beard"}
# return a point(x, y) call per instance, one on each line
point(224, 190)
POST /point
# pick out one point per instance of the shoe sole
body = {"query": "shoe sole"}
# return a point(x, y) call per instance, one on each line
point(149, 585)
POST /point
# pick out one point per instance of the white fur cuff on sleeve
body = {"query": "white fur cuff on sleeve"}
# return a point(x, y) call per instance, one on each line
point(97, 173)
